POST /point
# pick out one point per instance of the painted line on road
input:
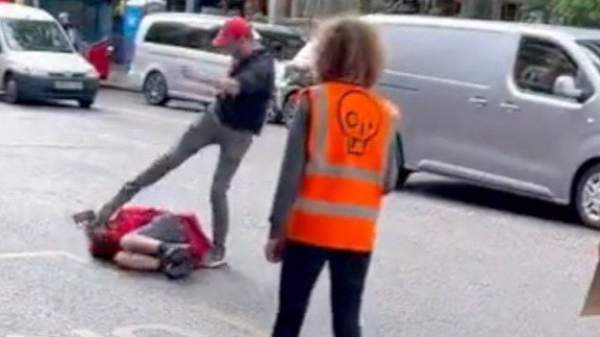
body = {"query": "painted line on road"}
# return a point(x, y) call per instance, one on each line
point(234, 321)
point(42, 254)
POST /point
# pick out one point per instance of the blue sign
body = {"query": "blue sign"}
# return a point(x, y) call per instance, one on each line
point(131, 21)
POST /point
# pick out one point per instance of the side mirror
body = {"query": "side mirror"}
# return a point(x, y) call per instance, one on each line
point(565, 86)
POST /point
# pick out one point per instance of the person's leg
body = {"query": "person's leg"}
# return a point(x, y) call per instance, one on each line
point(234, 146)
point(163, 236)
point(299, 273)
point(134, 261)
point(199, 134)
point(135, 243)
point(348, 275)
point(142, 252)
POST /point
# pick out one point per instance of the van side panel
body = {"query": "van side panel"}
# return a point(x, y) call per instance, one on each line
point(444, 80)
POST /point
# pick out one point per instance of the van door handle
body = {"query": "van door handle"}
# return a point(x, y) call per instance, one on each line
point(510, 107)
point(479, 101)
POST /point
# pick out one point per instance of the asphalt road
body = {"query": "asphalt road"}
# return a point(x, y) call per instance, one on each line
point(452, 259)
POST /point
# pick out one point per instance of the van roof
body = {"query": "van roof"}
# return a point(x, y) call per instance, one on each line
point(507, 27)
point(11, 11)
point(208, 20)
point(199, 20)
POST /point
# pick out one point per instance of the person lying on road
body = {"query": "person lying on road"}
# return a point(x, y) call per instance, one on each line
point(237, 116)
point(146, 239)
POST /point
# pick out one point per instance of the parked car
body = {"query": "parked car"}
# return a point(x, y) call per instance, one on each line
point(298, 74)
point(37, 61)
point(284, 43)
point(508, 106)
point(166, 43)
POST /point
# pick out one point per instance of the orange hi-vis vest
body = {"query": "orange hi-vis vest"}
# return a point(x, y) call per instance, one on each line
point(341, 191)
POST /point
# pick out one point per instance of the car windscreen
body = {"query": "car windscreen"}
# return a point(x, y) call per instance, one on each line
point(592, 47)
point(284, 46)
point(31, 35)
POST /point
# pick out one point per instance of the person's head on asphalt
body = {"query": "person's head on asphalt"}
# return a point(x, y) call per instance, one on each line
point(343, 45)
point(236, 37)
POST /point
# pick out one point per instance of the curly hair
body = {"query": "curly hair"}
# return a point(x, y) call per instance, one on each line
point(349, 50)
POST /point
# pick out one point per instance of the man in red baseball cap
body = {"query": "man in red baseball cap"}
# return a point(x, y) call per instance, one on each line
point(234, 30)
point(239, 112)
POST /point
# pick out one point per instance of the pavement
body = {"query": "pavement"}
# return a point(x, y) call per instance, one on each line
point(453, 260)
point(119, 79)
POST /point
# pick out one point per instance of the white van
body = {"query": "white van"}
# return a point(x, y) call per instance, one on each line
point(37, 61)
point(513, 107)
point(168, 42)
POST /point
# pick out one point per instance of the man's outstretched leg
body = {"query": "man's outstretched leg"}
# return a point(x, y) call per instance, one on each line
point(197, 136)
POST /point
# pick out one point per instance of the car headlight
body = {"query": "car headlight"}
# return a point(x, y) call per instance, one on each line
point(93, 74)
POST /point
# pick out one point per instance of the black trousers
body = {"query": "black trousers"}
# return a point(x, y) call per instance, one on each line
point(302, 265)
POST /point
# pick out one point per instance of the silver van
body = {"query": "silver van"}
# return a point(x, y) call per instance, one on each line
point(168, 42)
point(37, 61)
point(508, 106)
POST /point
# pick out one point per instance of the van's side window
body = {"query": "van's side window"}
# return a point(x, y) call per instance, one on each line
point(540, 63)
point(201, 39)
point(171, 34)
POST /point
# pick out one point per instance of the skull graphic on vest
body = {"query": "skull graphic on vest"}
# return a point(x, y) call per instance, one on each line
point(360, 119)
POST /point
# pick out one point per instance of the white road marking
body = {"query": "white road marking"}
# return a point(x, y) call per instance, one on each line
point(86, 333)
point(130, 331)
point(232, 320)
point(42, 254)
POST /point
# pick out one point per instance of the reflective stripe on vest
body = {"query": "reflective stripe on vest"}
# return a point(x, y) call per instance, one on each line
point(341, 191)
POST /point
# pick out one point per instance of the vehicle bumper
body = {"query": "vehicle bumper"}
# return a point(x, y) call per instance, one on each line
point(40, 87)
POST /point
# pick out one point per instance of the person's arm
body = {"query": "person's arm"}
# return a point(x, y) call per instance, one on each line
point(393, 165)
point(391, 174)
point(188, 145)
point(291, 172)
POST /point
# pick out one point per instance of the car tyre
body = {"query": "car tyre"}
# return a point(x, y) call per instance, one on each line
point(288, 111)
point(11, 90)
point(587, 197)
point(156, 89)
point(86, 103)
point(403, 173)
point(273, 115)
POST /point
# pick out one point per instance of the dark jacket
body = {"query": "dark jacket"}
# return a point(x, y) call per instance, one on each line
point(247, 111)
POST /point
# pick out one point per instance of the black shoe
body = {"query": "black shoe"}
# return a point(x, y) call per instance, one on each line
point(173, 253)
point(179, 271)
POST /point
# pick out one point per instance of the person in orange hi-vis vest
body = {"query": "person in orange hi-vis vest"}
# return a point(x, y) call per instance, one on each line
point(339, 164)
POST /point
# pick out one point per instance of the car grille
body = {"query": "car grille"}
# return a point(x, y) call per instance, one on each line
point(67, 75)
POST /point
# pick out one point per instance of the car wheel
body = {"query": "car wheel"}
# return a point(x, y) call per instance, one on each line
point(273, 116)
point(288, 111)
point(403, 173)
point(86, 103)
point(155, 89)
point(587, 197)
point(11, 90)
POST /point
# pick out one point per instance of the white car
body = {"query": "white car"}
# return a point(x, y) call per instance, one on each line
point(37, 61)
point(166, 43)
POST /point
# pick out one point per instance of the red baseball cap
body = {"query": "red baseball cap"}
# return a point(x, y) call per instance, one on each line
point(233, 29)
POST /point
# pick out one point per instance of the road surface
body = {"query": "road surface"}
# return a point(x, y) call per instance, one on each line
point(452, 259)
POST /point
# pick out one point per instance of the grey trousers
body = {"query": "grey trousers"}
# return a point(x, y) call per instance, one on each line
point(204, 132)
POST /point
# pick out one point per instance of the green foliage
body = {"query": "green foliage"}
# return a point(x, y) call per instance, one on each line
point(569, 12)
